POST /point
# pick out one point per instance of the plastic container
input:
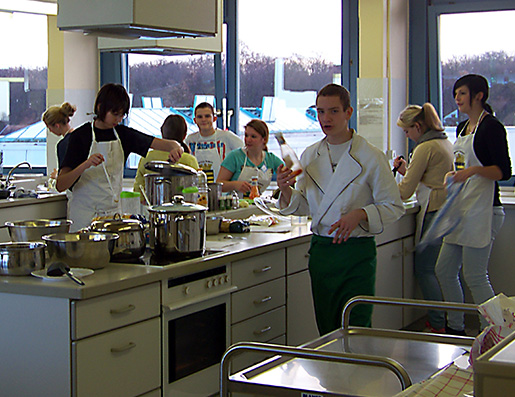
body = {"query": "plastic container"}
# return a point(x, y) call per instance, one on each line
point(254, 188)
point(131, 203)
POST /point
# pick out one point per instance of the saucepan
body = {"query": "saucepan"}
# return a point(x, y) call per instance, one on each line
point(131, 242)
point(20, 259)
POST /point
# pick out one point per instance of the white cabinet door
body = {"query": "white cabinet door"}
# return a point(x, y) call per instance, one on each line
point(297, 258)
point(410, 288)
point(388, 284)
point(124, 362)
point(300, 317)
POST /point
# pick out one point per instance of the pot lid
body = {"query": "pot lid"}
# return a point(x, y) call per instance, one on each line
point(168, 169)
point(177, 204)
point(117, 225)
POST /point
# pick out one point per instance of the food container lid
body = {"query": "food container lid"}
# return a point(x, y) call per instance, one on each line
point(177, 204)
point(167, 169)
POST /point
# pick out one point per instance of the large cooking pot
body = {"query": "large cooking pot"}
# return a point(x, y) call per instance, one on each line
point(178, 229)
point(20, 259)
point(131, 243)
point(87, 250)
point(168, 180)
point(33, 230)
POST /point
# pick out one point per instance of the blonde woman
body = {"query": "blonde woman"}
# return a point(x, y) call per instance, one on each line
point(432, 159)
point(57, 120)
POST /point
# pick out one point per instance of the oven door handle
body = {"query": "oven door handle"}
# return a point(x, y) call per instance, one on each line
point(198, 299)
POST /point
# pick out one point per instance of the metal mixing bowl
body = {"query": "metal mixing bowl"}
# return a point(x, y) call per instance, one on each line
point(87, 250)
point(34, 230)
point(19, 259)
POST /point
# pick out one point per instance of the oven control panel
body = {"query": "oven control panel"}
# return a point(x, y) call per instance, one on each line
point(197, 284)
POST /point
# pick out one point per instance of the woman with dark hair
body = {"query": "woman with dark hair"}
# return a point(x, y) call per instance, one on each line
point(96, 155)
point(481, 159)
point(254, 159)
point(174, 127)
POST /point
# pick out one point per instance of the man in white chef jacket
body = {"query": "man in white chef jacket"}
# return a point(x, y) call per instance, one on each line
point(210, 146)
point(349, 190)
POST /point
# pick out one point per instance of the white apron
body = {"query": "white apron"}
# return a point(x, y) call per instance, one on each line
point(97, 192)
point(264, 174)
point(422, 194)
point(209, 161)
point(476, 201)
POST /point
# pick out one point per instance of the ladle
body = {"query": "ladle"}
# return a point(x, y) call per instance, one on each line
point(57, 269)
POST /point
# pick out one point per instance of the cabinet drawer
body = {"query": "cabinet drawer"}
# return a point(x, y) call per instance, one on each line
point(124, 362)
point(93, 316)
point(297, 258)
point(261, 328)
point(256, 300)
point(258, 269)
point(249, 358)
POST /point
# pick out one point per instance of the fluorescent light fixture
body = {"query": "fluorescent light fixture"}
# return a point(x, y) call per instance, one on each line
point(29, 6)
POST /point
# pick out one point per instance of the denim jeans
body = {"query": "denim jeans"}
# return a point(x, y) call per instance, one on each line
point(475, 273)
point(425, 262)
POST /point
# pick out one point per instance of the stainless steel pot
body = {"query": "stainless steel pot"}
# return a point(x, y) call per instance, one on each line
point(87, 250)
point(214, 195)
point(131, 242)
point(20, 259)
point(169, 180)
point(178, 229)
point(34, 230)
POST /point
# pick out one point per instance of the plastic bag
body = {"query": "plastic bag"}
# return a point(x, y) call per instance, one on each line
point(499, 311)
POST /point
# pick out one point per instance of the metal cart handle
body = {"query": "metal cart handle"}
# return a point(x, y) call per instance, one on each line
point(311, 354)
point(377, 300)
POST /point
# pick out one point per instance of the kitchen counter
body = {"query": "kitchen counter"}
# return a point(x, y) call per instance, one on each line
point(120, 276)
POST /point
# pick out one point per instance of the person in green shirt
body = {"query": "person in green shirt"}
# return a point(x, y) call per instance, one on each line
point(174, 127)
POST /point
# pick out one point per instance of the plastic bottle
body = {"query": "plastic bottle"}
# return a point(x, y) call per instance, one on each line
point(254, 188)
point(235, 200)
point(203, 189)
point(288, 154)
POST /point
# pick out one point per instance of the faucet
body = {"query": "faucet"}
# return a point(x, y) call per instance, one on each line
point(12, 170)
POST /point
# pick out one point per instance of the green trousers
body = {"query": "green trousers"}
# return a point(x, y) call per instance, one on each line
point(338, 273)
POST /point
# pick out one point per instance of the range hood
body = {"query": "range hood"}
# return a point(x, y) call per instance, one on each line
point(140, 18)
point(176, 46)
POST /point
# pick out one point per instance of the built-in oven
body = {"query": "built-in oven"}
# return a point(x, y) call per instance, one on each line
point(195, 331)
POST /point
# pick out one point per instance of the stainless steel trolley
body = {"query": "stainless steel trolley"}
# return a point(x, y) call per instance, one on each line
point(350, 361)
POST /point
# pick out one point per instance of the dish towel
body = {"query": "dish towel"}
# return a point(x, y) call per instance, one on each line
point(451, 382)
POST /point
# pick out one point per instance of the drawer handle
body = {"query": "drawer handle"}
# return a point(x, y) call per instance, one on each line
point(130, 345)
point(263, 300)
point(263, 269)
point(125, 309)
point(263, 331)
point(306, 256)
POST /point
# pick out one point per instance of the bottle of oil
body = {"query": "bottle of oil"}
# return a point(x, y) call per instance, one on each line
point(254, 188)
point(288, 154)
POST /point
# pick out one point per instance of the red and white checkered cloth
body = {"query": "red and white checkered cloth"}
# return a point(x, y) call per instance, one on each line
point(451, 382)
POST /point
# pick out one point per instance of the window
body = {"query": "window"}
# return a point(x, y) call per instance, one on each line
point(489, 51)
point(23, 84)
point(289, 49)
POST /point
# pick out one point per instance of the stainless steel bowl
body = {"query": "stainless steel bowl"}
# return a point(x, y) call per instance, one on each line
point(34, 230)
point(88, 250)
point(20, 259)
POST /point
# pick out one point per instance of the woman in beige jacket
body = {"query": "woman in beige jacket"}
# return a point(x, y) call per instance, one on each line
point(432, 158)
